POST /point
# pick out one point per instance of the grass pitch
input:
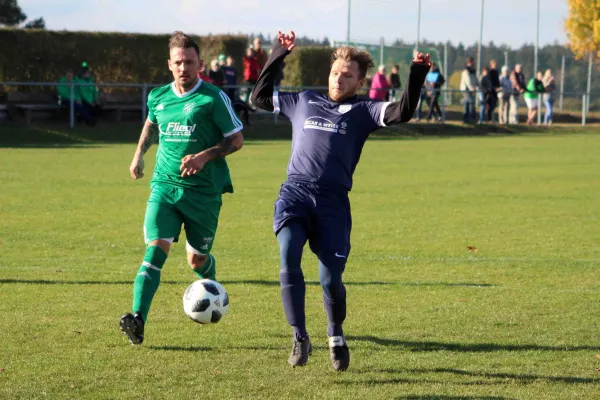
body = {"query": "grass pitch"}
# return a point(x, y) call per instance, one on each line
point(473, 274)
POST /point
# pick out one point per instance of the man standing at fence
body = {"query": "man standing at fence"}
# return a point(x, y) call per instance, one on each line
point(469, 86)
point(197, 128)
point(518, 86)
point(328, 134)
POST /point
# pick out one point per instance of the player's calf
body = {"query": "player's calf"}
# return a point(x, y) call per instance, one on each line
point(204, 266)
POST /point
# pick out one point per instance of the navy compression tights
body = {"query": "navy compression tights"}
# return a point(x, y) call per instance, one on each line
point(292, 238)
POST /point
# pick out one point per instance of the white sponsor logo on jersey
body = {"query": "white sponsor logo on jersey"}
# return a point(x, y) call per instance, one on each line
point(175, 128)
point(323, 124)
point(160, 107)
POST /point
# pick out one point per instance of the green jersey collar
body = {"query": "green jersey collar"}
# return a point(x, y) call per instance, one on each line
point(192, 90)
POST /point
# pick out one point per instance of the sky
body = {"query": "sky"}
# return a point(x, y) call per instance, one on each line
point(511, 22)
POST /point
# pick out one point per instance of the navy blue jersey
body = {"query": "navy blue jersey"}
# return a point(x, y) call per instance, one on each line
point(327, 137)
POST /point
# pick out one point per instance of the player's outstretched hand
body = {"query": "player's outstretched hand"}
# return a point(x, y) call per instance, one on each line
point(136, 169)
point(287, 40)
point(191, 164)
point(422, 59)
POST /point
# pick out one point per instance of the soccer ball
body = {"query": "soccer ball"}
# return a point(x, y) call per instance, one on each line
point(205, 301)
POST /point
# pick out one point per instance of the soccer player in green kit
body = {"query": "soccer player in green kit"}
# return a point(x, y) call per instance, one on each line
point(196, 127)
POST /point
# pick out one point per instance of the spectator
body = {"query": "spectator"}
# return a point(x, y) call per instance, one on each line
point(534, 88)
point(216, 73)
point(486, 96)
point(379, 85)
point(203, 72)
point(260, 54)
point(230, 76)
point(395, 82)
point(251, 71)
point(89, 94)
point(506, 90)
point(518, 86)
point(222, 60)
point(434, 80)
point(549, 96)
point(468, 85)
point(423, 98)
point(495, 79)
point(63, 90)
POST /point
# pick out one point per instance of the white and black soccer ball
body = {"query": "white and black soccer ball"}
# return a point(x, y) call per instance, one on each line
point(205, 301)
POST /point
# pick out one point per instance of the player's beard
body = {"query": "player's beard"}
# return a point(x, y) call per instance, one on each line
point(340, 97)
point(189, 83)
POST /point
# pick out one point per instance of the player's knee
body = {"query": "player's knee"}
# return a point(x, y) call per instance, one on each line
point(196, 261)
point(164, 244)
point(330, 277)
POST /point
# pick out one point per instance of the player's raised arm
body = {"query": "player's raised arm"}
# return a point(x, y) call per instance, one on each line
point(262, 95)
point(403, 110)
point(148, 136)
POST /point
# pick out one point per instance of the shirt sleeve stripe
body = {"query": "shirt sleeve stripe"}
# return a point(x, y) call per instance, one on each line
point(235, 130)
point(382, 113)
point(276, 108)
point(236, 122)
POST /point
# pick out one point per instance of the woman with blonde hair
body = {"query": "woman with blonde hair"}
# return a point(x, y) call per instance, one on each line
point(549, 95)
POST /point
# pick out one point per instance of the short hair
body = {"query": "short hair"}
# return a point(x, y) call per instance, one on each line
point(362, 58)
point(470, 60)
point(485, 69)
point(183, 41)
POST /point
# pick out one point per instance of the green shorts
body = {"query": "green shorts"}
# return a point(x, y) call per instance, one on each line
point(170, 206)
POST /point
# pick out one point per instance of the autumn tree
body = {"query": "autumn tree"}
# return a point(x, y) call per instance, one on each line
point(583, 27)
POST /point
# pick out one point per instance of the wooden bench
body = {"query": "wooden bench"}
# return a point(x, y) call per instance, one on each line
point(28, 102)
point(120, 102)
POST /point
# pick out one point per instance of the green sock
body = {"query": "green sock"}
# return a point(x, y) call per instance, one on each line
point(208, 270)
point(147, 280)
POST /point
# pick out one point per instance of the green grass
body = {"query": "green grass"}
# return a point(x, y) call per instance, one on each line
point(427, 319)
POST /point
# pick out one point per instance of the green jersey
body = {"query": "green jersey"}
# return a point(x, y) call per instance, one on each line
point(188, 124)
point(533, 88)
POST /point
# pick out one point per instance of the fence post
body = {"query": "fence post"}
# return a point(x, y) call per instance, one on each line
point(562, 83)
point(583, 109)
point(144, 99)
point(72, 106)
point(539, 110)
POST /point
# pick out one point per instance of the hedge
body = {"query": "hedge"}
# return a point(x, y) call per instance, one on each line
point(44, 56)
point(307, 66)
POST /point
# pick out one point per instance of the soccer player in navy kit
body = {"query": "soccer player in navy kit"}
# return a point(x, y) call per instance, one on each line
point(328, 134)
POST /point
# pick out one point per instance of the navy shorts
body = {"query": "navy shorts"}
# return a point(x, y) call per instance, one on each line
point(324, 212)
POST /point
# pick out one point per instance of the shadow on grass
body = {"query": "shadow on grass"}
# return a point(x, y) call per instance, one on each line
point(490, 378)
point(193, 349)
point(522, 378)
point(440, 397)
point(59, 135)
point(253, 282)
point(465, 347)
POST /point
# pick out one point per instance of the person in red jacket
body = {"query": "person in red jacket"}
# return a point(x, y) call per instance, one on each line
point(203, 72)
point(251, 71)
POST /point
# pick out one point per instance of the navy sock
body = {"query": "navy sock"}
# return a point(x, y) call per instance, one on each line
point(292, 238)
point(334, 292)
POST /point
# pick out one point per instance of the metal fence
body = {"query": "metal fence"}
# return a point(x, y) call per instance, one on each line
point(575, 102)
